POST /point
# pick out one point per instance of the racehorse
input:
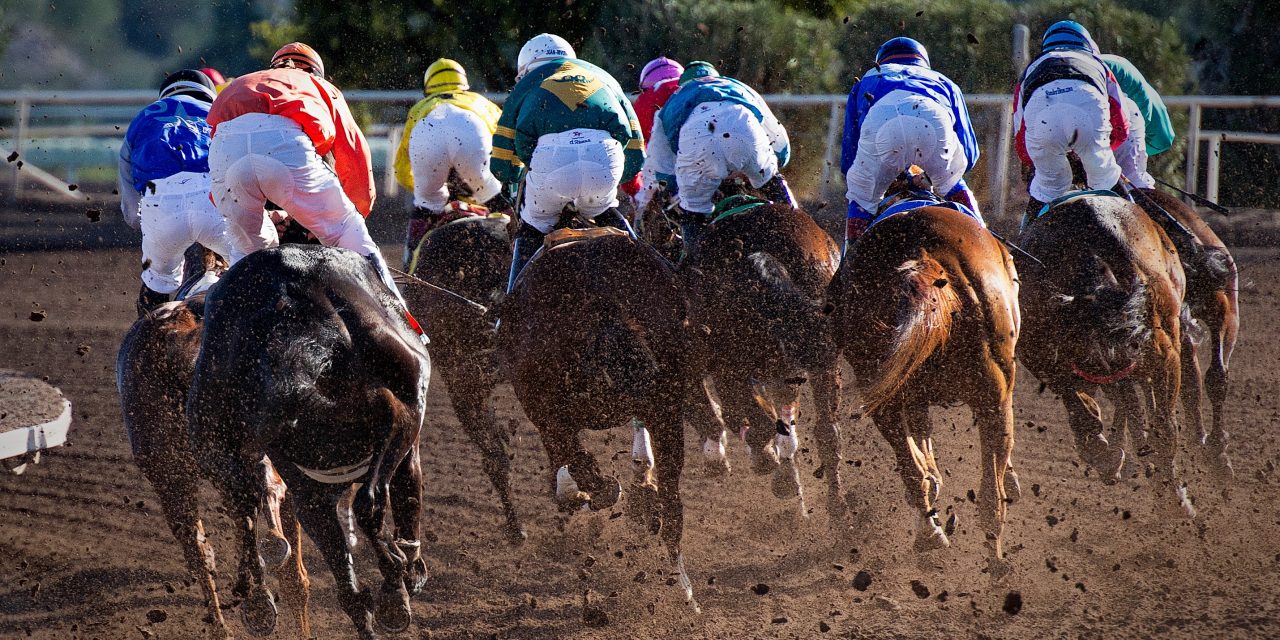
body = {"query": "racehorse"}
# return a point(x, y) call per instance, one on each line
point(1102, 310)
point(595, 333)
point(1212, 301)
point(471, 257)
point(925, 310)
point(153, 372)
point(756, 280)
point(307, 358)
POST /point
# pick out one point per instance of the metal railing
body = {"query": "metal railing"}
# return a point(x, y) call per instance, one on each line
point(998, 149)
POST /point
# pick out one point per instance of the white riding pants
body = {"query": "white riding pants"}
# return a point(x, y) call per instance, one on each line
point(581, 167)
point(1132, 154)
point(175, 212)
point(718, 140)
point(258, 157)
point(450, 138)
point(902, 129)
point(1062, 116)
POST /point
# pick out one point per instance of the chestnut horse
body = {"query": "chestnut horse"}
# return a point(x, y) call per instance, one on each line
point(1212, 302)
point(1102, 310)
point(471, 257)
point(308, 358)
point(756, 280)
point(596, 333)
point(153, 372)
point(925, 310)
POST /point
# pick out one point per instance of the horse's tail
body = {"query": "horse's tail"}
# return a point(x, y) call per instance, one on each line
point(804, 334)
point(927, 304)
point(625, 362)
point(1108, 318)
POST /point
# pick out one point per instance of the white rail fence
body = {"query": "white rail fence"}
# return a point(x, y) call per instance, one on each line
point(997, 148)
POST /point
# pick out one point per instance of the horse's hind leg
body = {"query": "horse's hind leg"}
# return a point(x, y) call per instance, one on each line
point(575, 477)
point(1165, 367)
point(905, 426)
point(742, 410)
point(826, 398)
point(703, 414)
point(470, 399)
point(786, 403)
point(994, 418)
point(668, 450)
point(177, 493)
point(1223, 324)
point(1191, 387)
point(316, 508)
point(1085, 419)
point(274, 546)
point(406, 511)
point(295, 585)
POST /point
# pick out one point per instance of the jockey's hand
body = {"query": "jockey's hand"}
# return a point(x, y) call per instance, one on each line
point(632, 186)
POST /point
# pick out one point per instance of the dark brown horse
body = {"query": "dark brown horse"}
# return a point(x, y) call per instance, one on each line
point(594, 335)
point(925, 310)
point(1102, 310)
point(308, 358)
point(153, 372)
point(1213, 304)
point(470, 257)
point(757, 280)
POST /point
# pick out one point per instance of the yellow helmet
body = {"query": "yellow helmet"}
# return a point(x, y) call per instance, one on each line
point(444, 75)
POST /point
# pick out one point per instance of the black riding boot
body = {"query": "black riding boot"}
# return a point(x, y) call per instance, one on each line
point(1033, 209)
point(691, 227)
point(421, 221)
point(1122, 190)
point(614, 218)
point(148, 300)
point(526, 243)
point(777, 191)
point(499, 204)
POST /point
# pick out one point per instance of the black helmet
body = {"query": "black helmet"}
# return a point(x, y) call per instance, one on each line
point(188, 82)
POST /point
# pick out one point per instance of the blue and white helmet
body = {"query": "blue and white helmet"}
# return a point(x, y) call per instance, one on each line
point(1068, 34)
point(903, 51)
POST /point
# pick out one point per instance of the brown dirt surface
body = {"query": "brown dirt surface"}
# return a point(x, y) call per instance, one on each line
point(84, 552)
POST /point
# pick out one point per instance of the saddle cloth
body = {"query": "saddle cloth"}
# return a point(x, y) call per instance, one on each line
point(733, 205)
point(1072, 196)
point(565, 237)
point(911, 205)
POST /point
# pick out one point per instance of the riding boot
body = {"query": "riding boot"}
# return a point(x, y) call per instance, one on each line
point(384, 273)
point(614, 218)
point(527, 241)
point(1122, 190)
point(149, 299)
point(1033, 210)
point(499, 204)
point(692, 224)
point(777, 191)
point(421, 220)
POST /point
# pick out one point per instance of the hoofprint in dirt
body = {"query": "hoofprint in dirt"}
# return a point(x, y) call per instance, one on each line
point(85, 553)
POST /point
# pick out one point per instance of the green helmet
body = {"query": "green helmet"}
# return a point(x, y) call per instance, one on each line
point(698, 69)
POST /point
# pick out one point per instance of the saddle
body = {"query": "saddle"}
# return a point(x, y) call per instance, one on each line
point(735, 204)
point(567, 236)
point(1073, 196)
point(911, 190)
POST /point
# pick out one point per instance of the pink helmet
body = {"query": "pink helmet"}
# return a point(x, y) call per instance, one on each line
point(659, 70)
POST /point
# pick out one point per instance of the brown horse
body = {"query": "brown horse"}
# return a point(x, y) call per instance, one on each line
point(925, 310)
point(1212, 302)
point(757, 280)
point(471, 257)
point(596, 333)
point(153, 372)
point(1102, 310)
point(308, 358)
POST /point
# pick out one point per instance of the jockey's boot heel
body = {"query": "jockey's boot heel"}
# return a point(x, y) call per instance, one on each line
point(421, 222)
point(692, 224)
point(1033, 210)
point(611, 217)
point(149, 299)
point(778, 192)
point(527, 241)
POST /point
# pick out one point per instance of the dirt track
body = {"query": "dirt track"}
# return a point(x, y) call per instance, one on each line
point(84, 551)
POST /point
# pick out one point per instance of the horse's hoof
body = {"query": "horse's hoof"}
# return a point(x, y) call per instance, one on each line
point(764, 462)
point(514, 533)
point(274, 551)
point(715, 457)
point(393, 614)
point(1107, 460)
point(1184, 502)
point(785, 483)
point(1012, 487)
point(930, 536)
point(258, 612)
point(415, 578)
point(999, 568)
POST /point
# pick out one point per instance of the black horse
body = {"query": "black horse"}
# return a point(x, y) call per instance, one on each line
point(307, 358)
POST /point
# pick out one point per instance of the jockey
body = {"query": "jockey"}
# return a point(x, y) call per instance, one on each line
point(1150, 130)
point(219, 81)
point(899, 114)
point(1068, 100)
point(448, 131)
point(712, 128)
point(570, 124)
point(272, 131)
point(164, 183)
point(658, 81)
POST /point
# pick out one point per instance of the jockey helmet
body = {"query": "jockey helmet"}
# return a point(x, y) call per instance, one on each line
point(444, 75)
point(298, 56)
point(1068, 34)
point(698, 69)
point(659, 70)
point(903, 51)
point(540, 49)
point(188, 82)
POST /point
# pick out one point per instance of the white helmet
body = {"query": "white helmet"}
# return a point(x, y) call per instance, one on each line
point(540, 48)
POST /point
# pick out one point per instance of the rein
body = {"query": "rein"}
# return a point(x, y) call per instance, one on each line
point(415, 280)
point(1108, 378)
